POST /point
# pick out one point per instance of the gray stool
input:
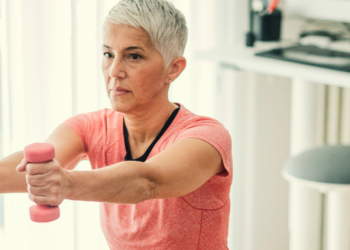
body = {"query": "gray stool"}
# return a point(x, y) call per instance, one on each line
point(326, 169)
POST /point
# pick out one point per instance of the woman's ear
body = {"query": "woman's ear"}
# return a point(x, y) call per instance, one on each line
point(176, 67)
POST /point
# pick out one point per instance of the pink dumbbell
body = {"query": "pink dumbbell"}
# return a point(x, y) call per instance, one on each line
point(36, 153)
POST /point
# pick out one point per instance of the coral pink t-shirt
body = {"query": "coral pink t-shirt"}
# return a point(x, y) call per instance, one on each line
point(198, 220)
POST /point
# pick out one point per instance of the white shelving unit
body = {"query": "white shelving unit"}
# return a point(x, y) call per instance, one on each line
point(244, 59)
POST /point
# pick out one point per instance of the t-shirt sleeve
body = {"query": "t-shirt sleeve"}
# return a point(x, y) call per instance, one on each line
point(79, 123)
point(214, 133)
point(89, 127)
point(214, 193)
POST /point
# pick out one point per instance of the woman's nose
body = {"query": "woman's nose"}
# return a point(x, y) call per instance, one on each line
point(117, 69)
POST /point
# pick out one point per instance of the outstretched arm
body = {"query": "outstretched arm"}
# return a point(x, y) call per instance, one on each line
point(176, 171)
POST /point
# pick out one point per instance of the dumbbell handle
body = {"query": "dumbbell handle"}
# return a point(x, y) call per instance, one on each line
point(38, 153)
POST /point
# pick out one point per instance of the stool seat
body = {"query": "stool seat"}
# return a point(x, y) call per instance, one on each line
point(325, 164)
point(326, 169)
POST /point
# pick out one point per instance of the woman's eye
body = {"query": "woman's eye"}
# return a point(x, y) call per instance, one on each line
point(135, 56)
point(107, 54)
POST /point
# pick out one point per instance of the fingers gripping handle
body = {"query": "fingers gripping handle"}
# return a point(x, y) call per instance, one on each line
point(36, 153)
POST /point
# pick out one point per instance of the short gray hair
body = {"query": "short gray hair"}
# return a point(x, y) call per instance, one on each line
point(165, 24)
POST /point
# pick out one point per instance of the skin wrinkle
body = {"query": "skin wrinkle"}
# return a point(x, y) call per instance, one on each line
point(140, 184)
point(149, 191)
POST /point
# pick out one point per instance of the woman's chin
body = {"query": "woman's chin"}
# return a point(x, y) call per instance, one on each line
point(120, 107)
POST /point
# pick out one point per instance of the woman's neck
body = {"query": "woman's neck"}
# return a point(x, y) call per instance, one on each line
point(145, 128)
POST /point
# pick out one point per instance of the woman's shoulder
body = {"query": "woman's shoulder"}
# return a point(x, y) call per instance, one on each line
point(188, 119)
point(94, 119)
point(190, 125)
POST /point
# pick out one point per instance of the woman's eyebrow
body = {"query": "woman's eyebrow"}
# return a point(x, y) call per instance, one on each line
point(133, 47)
point(106, 46)
point(126, 49)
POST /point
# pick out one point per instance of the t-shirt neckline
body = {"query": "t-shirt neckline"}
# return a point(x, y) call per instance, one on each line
point(143, 158)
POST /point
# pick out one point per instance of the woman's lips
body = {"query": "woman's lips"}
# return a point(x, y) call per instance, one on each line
point(119, 91)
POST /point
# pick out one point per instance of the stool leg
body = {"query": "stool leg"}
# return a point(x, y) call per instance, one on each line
point(304, 218)
point(338, 220)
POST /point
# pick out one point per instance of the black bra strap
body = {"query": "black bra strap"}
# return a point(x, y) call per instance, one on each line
point(149, 149)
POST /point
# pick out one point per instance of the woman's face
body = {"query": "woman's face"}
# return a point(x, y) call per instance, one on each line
point(133, 69)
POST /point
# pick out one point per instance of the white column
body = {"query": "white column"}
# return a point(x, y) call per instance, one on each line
point(306, 132)
point(333, 115)
point(338, 220)
point(307, 125)
point(345, 123)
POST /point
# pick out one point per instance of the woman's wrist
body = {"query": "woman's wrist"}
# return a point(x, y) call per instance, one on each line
point(72, 193)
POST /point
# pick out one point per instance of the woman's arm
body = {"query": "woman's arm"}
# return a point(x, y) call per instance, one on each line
point(69, 151)
point(10, 180)
point(69, 148)
point(176, 171)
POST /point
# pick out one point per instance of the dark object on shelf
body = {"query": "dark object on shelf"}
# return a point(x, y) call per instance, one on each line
point(267, 26)
point(249, 39)
point(250, 36)
point(311, 55)
point(264, 22)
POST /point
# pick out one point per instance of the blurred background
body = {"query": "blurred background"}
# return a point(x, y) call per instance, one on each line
point(262, 68)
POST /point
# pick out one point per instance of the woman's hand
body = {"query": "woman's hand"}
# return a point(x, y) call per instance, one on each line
point(47, 182)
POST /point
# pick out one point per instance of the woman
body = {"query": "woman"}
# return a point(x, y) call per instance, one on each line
point(161, 174)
